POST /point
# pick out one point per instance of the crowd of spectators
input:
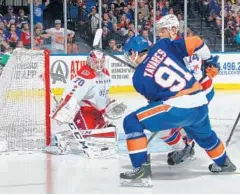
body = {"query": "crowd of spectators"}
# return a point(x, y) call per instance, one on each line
point(213, 18)
point(118, 22)
point(15, 31)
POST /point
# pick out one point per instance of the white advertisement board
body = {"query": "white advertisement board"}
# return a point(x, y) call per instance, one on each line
point(64, 68)
point(230, 68)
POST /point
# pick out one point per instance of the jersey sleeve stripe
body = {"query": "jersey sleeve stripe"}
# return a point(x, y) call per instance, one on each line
point(152, 112)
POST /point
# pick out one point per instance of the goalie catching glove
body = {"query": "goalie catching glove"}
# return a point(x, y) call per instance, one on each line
point(115, 109)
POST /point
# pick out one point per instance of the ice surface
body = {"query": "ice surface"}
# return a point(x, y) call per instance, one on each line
point(41, 173)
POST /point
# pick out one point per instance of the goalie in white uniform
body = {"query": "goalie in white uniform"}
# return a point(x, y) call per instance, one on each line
point(85, 100)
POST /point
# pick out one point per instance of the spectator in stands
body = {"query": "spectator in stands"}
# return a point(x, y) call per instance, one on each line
point(22, 18)
point(113, 9)
point(106, 22)
point(114, 47)
point(38, 10)
point(127, 13)
point(164, 8)
point(119, 4)
point(123, 24)
point(181, 23)
point(13, 36)
point(143, 9)
point(145, 34)
point(3, 43)
point(158, 15)
point(170, 11)
point(236, 7)
point(26, 36)
point(130, 9)
point(116, 31)
point(83, 21)
point(112, 18)
point(2, 20)
point(228, 6)
point(94, 19)
point(10, 17)
point(130, 34)
point(2, 26)
point(39, 37)
point(141, 20)
point(230, 32)
point(57, 37)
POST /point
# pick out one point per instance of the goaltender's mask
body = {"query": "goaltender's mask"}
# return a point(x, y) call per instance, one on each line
point(96, 60)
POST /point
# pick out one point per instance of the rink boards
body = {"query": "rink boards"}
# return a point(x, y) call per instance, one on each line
point(64, 68)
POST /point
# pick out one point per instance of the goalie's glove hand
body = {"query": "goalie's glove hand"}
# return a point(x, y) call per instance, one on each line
point(115, 109)
point(211, 67)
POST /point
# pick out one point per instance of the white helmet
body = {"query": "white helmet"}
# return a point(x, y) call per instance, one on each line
point(168, 21)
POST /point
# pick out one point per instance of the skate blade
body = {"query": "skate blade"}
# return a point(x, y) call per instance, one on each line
point(144, 182)
point(183, 163)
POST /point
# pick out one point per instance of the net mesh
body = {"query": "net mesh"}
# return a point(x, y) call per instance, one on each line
point(23, 102)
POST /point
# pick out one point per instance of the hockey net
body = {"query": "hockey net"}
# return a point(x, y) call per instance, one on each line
point(25, 101)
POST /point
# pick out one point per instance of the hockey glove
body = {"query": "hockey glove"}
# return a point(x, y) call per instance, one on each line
point(211, 67)
point(115, 109)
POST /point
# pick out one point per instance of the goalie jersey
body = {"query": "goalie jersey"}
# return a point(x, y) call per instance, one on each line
point(163, 76)
point(88, 89)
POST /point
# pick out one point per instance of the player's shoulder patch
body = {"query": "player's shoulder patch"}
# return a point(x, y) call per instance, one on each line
point(86, 72)
point(105, 71)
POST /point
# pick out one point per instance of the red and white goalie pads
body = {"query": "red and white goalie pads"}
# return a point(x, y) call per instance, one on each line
point(115, 109)
point(66, 110)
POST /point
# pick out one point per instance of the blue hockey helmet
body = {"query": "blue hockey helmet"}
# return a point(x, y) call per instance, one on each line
point(136, 44)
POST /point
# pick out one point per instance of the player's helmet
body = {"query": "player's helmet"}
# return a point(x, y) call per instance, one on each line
point(168, 22)
point(96, 60)
point(133, 47)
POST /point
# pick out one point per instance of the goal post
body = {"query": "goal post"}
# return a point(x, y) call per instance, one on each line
point(25, 101)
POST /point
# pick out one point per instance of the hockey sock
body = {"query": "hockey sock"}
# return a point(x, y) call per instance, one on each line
point(214, 148)
point(217, 153)
point(137, 148)
point(174, 139)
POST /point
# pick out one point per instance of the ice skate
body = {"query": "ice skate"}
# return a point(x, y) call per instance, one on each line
point(228, 166)
point(181, 156)
point(138, 177)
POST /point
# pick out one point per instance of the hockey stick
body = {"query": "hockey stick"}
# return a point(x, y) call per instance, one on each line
point(233, 130)
point(96, 42)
